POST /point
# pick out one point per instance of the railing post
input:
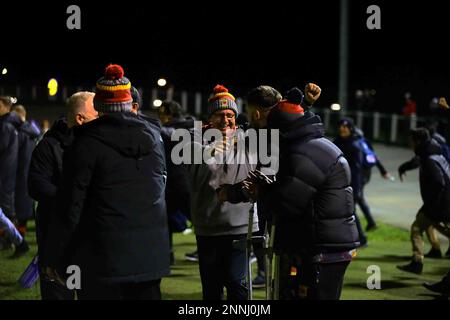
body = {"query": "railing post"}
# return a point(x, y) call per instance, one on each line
point(394, 127)
point(239, 103)
point(413, 122)
point(359, 119)
point(184, 101)
point(64, 93)
point(376, 125)
point(154, 97)
point(33, 93)
point(326, 118)
point(169, 94)
point(198, 103)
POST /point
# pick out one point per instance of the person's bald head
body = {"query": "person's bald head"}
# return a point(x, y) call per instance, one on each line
point(81, 108)
point(6, 103)
point(21, 111)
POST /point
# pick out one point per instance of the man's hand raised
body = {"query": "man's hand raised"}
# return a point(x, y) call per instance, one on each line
point(312, 93)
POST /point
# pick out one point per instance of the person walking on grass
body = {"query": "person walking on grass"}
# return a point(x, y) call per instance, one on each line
point(435, 192)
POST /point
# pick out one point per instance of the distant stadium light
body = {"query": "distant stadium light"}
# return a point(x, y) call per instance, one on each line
point(157, 103)
point(162, 82)
point(4, 71)
point(336, 107)
point(52, 87)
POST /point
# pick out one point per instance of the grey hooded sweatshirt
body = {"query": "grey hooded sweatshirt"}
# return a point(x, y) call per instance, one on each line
point(209, 216)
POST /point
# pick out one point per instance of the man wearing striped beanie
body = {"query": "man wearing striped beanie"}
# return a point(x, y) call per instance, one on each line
point(219, 209)
point(113, 213)
point(222, 110)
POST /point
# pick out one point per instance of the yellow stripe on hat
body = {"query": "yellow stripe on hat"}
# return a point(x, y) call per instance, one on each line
point(221, 95)
point(114, 88)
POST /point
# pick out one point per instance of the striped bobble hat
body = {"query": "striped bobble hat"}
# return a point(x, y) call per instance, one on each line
point(221, 100)
point(113, 91)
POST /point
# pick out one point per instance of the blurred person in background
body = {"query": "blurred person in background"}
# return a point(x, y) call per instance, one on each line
point(410, 107)
point(9, 152)
point(28, 134)
point(435, 192)
point(178, 191)
point(414, 163)
point(347, 142)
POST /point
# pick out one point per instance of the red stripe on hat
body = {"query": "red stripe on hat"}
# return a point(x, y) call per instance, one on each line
point(291, 108)
point(113, 96)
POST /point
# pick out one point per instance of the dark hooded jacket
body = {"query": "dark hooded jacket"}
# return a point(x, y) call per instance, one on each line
point(434, 181)
point(45, 177)
point(312, 195)
point(178, 192)
point(113, 214)
point(354, 155)
point(9, 151)
point(414, 163)
point(28, 135)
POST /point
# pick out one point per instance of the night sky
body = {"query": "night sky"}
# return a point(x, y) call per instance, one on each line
point(241, 44)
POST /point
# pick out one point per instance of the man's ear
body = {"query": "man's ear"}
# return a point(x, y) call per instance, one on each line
point(257, 114)
point(135, 108)
point(79, 119)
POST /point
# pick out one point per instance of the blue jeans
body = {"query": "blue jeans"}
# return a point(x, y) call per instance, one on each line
point(10, 229)
point(222, 265)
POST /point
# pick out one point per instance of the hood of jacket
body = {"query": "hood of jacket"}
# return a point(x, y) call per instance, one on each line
point(308, 127)
point(12, 118)
point(129, 134)
point(61, 132)
point(429, 148)
point(30, 130)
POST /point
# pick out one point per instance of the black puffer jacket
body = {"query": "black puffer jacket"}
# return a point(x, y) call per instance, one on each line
point(27, 142)
point(45, 177)
point(434, 181)
point(9, 146)
point(313, 197)
point(113, 211)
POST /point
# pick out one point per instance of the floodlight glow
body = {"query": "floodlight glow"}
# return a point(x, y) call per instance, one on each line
point(162, 82)
point(52, 87)
point(336, 107)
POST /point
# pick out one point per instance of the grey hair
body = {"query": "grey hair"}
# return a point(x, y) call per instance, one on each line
point(78, 100)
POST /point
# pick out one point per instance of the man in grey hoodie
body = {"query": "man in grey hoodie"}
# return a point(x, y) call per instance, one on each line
point(220, 209)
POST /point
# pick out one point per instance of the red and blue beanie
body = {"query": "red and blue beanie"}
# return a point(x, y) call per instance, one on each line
point(113, 91)
point(221, 100)
point(287, 111)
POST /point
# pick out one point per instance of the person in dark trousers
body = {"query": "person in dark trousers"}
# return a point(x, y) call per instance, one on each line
point(312, 199)
point(220, 220)
point(9, 151)
point(347, 142)
point(260, 101)
point(178, 189)
point(112, 220)
point(435, 191)
point(413, 164)
point(28, 135)
point(45, 179)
